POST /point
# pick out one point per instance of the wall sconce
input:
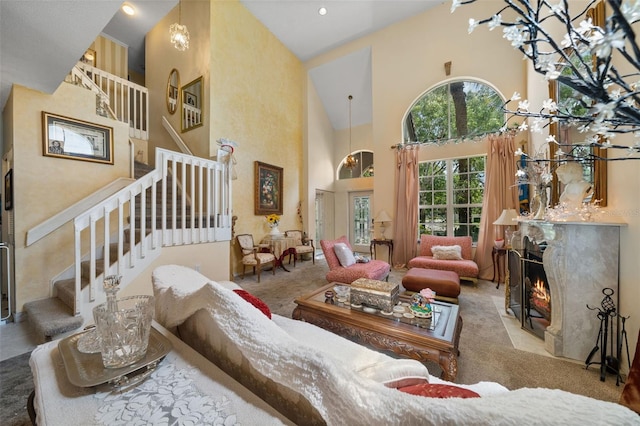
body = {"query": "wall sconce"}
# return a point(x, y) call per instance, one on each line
point(382, 218)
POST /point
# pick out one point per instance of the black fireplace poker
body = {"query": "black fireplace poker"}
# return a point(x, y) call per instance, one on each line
point(606, 314)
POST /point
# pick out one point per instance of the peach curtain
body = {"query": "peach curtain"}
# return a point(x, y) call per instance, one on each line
point(405, 228)
point(500, 193)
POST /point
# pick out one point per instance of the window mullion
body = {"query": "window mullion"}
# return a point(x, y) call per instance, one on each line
point(450, 199)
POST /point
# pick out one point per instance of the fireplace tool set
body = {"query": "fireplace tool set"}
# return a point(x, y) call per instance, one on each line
point(607, 314)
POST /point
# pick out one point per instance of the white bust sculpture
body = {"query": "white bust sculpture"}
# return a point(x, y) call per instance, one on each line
point(576, 189)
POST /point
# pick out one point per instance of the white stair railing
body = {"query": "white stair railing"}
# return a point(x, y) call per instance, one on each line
point(207, 218)
point(128, 101)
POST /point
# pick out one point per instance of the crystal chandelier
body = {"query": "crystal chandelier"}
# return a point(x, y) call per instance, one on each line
point(179, 33)
point(350, 162)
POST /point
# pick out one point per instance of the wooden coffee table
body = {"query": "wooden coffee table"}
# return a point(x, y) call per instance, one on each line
point(433, 339)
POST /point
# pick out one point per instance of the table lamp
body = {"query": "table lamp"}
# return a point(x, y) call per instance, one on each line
point(507, 219)
point(381, 219)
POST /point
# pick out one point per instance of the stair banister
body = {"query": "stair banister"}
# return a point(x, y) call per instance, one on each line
point(175, 136)
point(43, 229)
point(214, 191)
point(123, 95)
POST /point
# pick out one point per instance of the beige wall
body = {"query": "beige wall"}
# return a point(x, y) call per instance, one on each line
point(161, 58)
point(407, 59)
point(111, 56)
point(257, 97)
point(44, 186)
point(209, 259)
point(254, 91)
point(318, 158)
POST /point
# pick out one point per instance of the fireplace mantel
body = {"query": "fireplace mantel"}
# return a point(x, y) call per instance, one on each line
point(581, 259)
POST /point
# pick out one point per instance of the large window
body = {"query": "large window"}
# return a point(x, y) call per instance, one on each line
point(453, 110)
point(450, 196)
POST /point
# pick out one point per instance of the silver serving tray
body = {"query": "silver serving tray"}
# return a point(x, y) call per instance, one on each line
point(86, 369)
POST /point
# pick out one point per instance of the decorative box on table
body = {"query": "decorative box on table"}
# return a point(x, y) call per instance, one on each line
point(376, 294)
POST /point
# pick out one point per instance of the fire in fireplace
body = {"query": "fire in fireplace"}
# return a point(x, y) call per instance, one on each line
point(530, 296)
point(540, 298)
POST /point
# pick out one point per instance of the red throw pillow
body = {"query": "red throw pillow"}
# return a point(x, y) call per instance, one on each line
point(439, 391)
point(255, 301)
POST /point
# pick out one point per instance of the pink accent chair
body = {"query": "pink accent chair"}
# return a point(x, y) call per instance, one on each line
point(466, 268)
point(374, 269)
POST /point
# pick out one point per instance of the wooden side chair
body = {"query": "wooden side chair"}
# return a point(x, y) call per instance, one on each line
point(255, 255)
point(300, 247)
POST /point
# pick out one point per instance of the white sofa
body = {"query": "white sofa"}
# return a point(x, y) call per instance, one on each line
point(315, 377)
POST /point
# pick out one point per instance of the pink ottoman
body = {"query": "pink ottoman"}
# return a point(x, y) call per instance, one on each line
point(446, 284)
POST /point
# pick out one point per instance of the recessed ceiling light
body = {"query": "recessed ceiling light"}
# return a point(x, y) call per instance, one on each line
point(322, 11)
point(128, 9)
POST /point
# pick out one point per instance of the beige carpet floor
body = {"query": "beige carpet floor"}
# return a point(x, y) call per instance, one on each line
point(486, 350)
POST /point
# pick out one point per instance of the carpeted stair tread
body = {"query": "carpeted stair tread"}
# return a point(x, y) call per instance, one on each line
point(51, 317)
point(66, 290)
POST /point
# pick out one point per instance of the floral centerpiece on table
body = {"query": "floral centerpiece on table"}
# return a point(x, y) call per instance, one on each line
point(421, 303)
point(273, 220)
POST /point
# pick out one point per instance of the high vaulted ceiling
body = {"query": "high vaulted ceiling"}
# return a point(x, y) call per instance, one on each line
point(40, 40)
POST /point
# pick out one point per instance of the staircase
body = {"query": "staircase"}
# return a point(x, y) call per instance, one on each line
point(54, 316)
point(185, 200)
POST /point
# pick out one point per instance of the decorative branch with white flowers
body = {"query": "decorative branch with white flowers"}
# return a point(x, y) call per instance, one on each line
point(600, 64)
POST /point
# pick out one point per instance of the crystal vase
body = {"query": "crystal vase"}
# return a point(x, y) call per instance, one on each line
point(541, 198)
point(123, 326)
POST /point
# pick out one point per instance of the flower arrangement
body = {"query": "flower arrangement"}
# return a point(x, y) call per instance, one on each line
point(428, 294)
point(273, 220)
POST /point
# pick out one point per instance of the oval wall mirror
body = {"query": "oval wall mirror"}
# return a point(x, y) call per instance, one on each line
point(172, 91)
point(191, 104)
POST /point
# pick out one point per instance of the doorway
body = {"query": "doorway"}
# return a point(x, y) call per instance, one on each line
point(360, 226)
point(325, 208)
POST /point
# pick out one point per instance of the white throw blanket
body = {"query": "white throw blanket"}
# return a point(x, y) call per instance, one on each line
point(343, 397)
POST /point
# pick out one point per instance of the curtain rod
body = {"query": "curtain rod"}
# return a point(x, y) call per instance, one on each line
point(471, 138)
point(400, 145)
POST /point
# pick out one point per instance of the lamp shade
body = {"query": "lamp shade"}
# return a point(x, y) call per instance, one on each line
point(382, 217)
point(507, 217)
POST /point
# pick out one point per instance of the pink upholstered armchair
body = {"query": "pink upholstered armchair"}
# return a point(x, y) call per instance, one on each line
point(374, 269)
point(465, 267)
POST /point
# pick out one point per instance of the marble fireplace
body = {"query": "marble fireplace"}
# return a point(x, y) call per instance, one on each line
point(580, 260)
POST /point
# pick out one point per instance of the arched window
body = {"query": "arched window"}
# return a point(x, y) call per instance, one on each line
point(451, 190)
point(363, 168)
point(455, 109)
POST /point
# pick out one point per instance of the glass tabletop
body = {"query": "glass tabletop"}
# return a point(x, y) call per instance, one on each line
point(401, 312)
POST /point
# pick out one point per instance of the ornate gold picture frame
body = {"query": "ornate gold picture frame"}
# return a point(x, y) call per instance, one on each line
point(65, 137)
point(268, 189)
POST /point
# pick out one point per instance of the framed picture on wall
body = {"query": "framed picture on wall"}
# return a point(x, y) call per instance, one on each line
point(191, 99)
point(8, 190)
point(66, 137)
point(268, 189)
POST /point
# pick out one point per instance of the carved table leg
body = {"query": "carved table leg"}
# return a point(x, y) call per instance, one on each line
point(449, 364)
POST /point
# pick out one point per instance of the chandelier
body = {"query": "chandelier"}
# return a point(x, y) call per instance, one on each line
point(178, 33)
point(350, 162)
